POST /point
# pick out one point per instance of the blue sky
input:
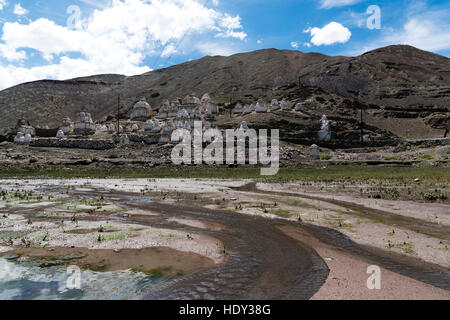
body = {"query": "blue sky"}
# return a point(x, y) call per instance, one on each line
point(62, 39)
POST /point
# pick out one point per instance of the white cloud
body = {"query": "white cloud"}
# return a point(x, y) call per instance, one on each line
point(3, 4)
point(231, 24)
point(327, 4)
point(427, 31)
point(295, 45)
point(260, 41)
point(216, 48)
point(11, 54)
point(424, 32)
point(169, 50)
point(332, 33)
point(19, 10)
point(116, 39)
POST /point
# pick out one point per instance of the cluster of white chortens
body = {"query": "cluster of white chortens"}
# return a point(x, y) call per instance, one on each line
point(175, 114)
point(190, 107)
point(262, 107)
point(172, 115)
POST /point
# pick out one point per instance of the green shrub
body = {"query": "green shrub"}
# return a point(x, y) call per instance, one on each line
point(326, 157)
point(33, 160)
point(434, 196)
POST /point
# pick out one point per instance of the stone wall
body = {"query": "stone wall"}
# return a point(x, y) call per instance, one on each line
point(149, 138)
point(73, 144)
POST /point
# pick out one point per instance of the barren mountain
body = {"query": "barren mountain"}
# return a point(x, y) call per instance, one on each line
point(401, 88)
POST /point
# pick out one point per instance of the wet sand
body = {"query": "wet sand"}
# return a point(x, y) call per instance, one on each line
point(348, 276)
point(263, 256)
point(165, 260)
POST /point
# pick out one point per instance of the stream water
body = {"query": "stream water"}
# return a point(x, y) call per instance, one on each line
point(262, 262)
point(26, 281)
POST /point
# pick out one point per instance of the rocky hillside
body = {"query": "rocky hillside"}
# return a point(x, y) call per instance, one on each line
point(403, 90)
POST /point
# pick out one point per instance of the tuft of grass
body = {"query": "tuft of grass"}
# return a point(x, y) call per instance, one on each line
point(111, 237)
point(434, 196)
point(43, 240)
point(406, 247)
point(426, 156)
point(280, 212)
point(326, 157)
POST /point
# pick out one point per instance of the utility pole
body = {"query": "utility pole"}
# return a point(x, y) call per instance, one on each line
point(362, 128)
point(118, 114)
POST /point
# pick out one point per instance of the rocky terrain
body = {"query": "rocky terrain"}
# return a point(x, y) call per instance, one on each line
point(403, 92)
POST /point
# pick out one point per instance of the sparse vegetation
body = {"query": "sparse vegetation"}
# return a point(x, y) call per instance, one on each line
point(434, 196)
point(406, 247)
point(426, 156)
point(111, 237)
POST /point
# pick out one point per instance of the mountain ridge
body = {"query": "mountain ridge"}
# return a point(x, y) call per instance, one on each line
point(399, 77)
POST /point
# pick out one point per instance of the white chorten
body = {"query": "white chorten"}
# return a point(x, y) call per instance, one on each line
point(134, 127)
point(261, 106)
point(247, 110)
point(124, 140)
point(60, 134)
point(244, 125)
point(314, 152)
point(66, 126)
point(148, 126)
point(19, 138)
point(85, 125)
point(27, 138)
point(284, 105)
point(275, 105)
point(142, 111)
point(238, 109)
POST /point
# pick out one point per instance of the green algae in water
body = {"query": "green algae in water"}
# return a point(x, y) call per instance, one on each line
point(6, 235)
